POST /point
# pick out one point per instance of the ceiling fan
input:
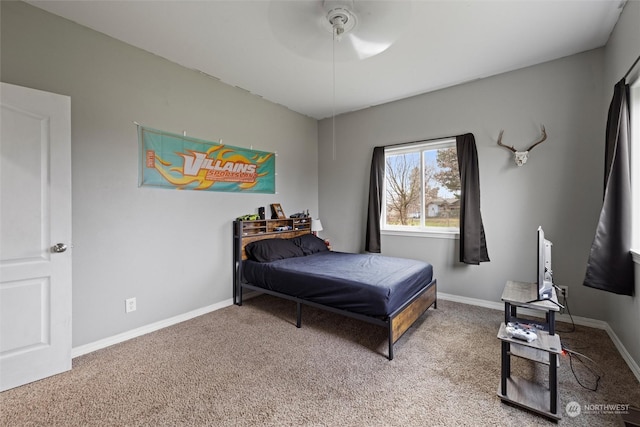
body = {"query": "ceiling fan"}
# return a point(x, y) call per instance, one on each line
point(362, 28)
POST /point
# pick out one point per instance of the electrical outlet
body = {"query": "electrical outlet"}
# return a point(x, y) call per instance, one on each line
point(564, 292)
point(130, 304)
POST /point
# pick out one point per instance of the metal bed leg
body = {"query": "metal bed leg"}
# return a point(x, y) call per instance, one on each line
point(298, 314)
point(390, 340)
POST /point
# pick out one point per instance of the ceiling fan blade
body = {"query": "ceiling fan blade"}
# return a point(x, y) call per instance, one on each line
point(303, 28)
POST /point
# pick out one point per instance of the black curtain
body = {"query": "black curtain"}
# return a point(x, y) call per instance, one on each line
point(376, 182)
point(610, 264)
point(473, 245)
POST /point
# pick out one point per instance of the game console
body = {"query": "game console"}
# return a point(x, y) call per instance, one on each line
point(520, 331)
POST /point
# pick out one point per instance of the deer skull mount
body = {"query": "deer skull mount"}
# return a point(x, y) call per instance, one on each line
point(521, 157)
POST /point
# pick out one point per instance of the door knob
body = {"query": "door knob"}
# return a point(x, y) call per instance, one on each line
point(58, 248)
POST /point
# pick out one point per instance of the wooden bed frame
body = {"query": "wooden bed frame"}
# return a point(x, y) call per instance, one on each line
point(397, 323)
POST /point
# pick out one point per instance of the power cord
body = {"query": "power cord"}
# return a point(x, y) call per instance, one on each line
point(565, 303)
point(579, 356)
point(574, 354)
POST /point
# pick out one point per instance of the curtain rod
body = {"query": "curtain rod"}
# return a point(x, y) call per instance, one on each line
point(420, 140)
point(630, 69)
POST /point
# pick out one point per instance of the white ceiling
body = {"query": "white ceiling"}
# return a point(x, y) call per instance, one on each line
point(442, 43)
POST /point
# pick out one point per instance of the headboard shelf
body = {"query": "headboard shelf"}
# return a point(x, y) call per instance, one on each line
point(245, 232)
point(262, 226)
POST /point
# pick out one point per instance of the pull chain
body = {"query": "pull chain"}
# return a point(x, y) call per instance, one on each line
point(333, 53)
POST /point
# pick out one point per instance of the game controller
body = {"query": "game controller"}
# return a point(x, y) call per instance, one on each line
point(520, 332)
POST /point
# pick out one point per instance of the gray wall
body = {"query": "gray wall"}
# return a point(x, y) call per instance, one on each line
point(623, 48)
point(558, 188)
point(170, 249)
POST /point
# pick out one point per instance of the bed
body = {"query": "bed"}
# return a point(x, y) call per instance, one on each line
point(295, 265)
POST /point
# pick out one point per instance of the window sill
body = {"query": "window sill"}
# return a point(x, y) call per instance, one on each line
point(424, 234)
point(635, 253)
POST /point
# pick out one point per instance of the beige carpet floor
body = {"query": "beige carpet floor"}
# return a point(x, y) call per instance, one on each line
point(250, 366)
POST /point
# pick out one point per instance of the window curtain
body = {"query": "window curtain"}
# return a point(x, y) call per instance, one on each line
point(473, 245)
point(610, 264)
point(376, 183)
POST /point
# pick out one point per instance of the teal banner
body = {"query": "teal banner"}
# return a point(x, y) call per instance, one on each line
point(176, 161)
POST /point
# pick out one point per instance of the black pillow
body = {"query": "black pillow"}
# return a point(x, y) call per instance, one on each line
point(268, 250)
point(310, 244)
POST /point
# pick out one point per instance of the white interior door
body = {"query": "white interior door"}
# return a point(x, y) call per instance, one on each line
point(35, 215)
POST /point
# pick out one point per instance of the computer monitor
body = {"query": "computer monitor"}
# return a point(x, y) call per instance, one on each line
point(545, 274)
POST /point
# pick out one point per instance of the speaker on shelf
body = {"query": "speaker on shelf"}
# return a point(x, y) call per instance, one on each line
point(261, 213)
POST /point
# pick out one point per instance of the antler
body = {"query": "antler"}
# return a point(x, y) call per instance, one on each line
point(544, 136)
point(506, 146)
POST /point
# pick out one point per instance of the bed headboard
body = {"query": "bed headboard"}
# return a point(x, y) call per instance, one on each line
point(245, 232)
point(245, 240)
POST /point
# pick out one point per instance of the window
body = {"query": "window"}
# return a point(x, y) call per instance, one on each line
point(422, 188)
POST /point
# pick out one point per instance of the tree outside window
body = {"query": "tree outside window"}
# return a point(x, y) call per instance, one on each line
point(422, 187)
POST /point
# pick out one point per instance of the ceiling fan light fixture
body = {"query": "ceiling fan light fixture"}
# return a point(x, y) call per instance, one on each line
point(340, 20)
point(338, 25)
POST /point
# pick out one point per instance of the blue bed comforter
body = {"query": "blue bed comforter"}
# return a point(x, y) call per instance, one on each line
point(373, 285)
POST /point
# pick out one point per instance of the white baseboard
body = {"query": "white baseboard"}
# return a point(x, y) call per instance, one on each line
point(623, 352)
point(582, 321)
point(115, 339)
